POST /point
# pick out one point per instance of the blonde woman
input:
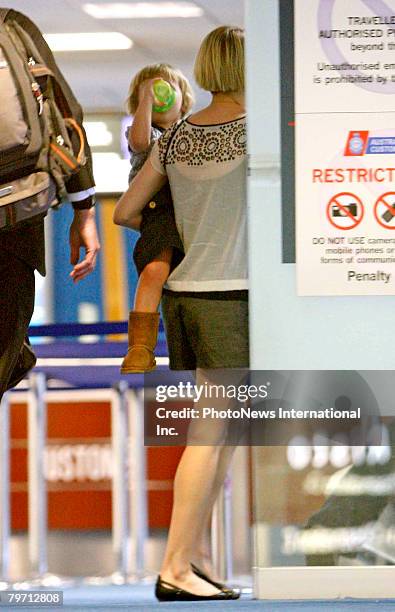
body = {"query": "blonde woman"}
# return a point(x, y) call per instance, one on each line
point(205, 300)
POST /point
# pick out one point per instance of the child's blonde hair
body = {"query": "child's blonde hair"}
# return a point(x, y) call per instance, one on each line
point(219, 64)
point(166, 72)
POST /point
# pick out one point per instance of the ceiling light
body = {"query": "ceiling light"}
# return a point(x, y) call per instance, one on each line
point(98, 134)
point(143, 10)
point(110, 172)
point(88, 41)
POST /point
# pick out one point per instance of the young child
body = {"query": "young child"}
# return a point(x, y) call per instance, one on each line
point(159, 248)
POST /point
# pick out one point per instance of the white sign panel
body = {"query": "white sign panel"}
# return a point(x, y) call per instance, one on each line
point(345, 146)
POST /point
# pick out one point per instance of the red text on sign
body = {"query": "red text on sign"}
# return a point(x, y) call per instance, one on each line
point(353, 175)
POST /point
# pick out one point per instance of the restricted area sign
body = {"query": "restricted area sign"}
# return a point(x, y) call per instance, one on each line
point(384, 210)
point(345, 147)
point(345, 211)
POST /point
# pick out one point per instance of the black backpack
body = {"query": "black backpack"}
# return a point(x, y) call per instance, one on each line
point(37, 128)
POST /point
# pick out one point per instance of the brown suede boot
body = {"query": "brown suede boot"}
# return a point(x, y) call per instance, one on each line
point(143, 336)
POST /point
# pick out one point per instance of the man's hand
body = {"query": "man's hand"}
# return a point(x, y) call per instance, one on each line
point(83, 233)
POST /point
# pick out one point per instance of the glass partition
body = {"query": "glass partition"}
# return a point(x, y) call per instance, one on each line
point(324, 516)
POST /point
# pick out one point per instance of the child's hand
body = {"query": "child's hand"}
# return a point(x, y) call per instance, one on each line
point(139, 136)
point(146, 91)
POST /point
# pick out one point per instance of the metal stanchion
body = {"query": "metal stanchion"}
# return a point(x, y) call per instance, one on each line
point(228, 524)
point(138, 479)
point(229, 516)
point(37, 505)
point(221, 532)
point(129, 503)
point(120, 483)
point(120, 489)
point(5, 530)
point(37, 491)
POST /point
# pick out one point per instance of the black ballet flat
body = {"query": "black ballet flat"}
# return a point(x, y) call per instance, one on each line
point(219, 585)
point(164, 591)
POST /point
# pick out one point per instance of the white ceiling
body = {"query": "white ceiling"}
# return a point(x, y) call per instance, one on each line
point(100, 79)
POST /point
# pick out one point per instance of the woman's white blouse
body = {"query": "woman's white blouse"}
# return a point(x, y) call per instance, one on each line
point(207, 171)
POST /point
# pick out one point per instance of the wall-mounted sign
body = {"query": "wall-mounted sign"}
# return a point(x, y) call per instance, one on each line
point(345, 146)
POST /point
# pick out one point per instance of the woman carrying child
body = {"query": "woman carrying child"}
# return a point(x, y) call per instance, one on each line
point(205, 302)
point(159, 249)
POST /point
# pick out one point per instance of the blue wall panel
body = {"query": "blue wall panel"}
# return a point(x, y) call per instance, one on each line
point(67, 295)
point(130, 238)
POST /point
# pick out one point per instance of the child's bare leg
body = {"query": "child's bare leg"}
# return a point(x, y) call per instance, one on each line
point(151, 281)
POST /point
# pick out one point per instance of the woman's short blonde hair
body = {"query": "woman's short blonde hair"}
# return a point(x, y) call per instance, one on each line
point(219, 64)
point(166, 72)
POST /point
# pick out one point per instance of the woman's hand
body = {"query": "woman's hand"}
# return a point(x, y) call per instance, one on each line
point(135, 222)
point(141, 190)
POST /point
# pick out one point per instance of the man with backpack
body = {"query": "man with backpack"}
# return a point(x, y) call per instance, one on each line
point(44, 159)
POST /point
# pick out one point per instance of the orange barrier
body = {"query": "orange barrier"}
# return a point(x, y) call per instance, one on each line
point(78, 468)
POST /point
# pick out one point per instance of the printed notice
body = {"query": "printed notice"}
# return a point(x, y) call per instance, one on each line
point(345, 147)
point(344, 55)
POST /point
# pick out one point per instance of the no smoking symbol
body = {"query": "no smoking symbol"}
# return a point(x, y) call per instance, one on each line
point(345, 211)
point(384, 210)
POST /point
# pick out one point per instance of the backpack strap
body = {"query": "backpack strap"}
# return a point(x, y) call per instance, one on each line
point(30, 48)
point(3, 14)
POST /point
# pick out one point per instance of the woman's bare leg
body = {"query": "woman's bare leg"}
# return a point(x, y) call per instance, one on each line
point(202, 556)
point(193, 488)
point(199, 476)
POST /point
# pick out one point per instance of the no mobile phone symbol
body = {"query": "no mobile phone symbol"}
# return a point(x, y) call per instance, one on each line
point(384, 210)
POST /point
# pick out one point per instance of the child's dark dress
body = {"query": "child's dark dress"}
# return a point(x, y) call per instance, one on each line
point(158, 229)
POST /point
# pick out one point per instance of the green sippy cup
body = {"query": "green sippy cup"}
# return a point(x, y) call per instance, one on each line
point(165, 96)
